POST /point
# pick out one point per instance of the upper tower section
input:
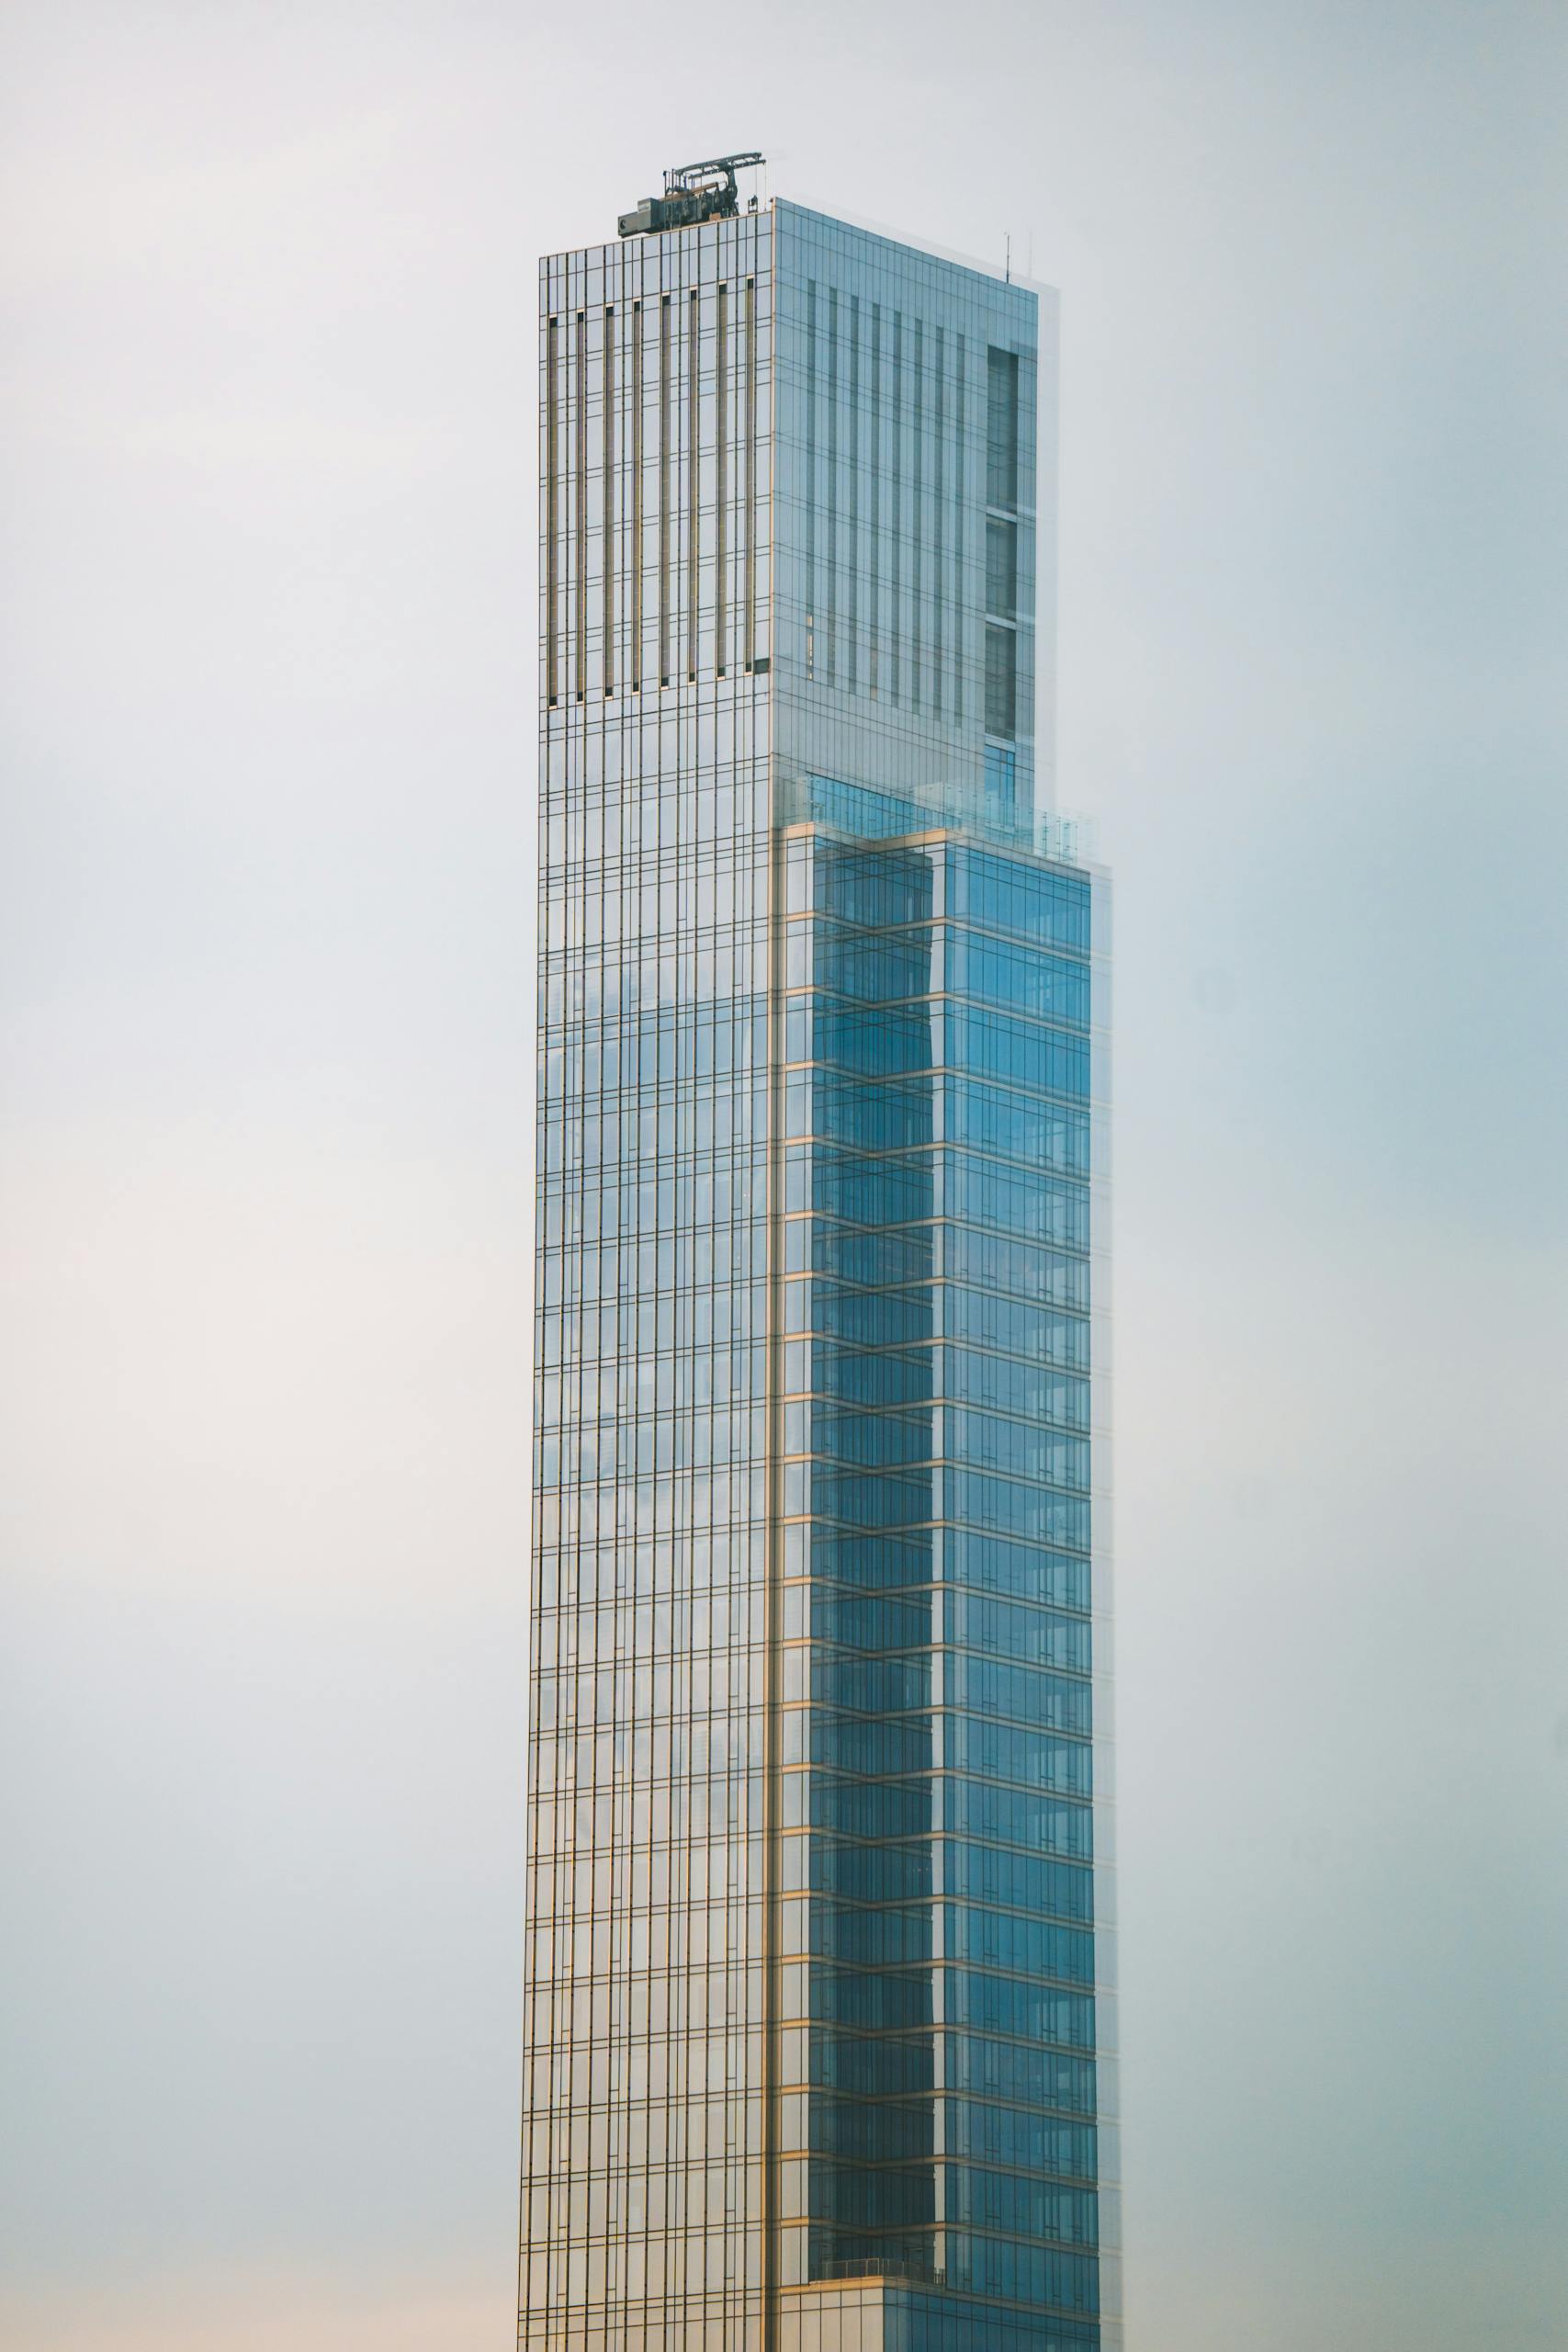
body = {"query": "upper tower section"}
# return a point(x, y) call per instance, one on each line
point(915, 497)
point(797, 463)
point(655, 468)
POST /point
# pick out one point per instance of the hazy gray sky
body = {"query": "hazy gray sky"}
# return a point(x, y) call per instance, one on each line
point(267, 288)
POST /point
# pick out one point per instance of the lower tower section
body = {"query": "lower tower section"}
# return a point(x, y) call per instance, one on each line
point(946, 2028)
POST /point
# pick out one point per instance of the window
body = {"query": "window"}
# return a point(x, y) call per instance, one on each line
point(1001, 568)
point(580, 508)
point(664, 470)
point(1001, 427)
point(1001, 775)
point(635, 548)
point(1001, 681)
point(552, 504)
point(693, 475)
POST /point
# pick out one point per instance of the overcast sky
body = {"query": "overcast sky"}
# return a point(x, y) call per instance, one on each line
point(267, 612)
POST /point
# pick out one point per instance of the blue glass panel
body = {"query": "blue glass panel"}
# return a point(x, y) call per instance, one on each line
point(917, 2323)
point(937, 1426)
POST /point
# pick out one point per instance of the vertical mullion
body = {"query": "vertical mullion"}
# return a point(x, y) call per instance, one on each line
point(636, 551)
point(851, 585)
point(607, 486)
point(552, 506)
point(581, 517)
point(721, 469)
point(664, 490)
point(750, 471)
point(694, 474)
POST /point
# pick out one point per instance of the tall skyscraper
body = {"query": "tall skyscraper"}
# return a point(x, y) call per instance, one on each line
point(820, 2037)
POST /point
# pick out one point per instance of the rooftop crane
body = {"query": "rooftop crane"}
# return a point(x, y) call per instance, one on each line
point(693, 192)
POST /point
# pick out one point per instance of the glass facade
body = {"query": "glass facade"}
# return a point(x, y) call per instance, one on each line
point(820, 2010)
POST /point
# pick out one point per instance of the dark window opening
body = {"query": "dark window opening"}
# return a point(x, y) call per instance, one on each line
point(1001, 427)
point(1001, 682)
point(1001, 568)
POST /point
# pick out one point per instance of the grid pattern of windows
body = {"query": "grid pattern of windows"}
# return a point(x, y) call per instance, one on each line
point(897, 372)
point(820, 2048)
point(940, 2049)
point(645, 2070)
point(654, 462)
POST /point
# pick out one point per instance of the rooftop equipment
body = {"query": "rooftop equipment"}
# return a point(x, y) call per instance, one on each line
point(692, 192)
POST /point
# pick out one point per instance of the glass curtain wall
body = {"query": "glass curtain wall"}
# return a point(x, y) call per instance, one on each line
point(819, 2033)
point(940, 2048)
point(915, 470)
point(645, 2066)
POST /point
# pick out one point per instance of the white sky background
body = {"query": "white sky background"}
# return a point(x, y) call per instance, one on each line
point(267, 284)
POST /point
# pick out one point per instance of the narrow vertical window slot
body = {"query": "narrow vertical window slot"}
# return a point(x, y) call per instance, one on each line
point(960, 362)
point(874, 495)
point(637, 549)
point(811, 479)
point(1001, 680)
point(580, 516)
point(693, 476)
point(896, 533)
point(664, 491)
point(721, 470)
point(830, 562)
point(750, 471)
point(851, 584)
point(1001, 568)
point(607, 498)
point(938, 503)
point(917, 518)
point(552, 510)
point(1001, 427)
